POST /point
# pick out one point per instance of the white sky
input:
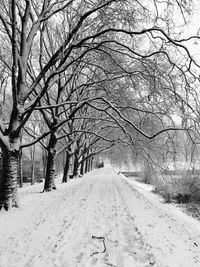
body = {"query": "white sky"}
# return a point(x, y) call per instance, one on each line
point(193, 28)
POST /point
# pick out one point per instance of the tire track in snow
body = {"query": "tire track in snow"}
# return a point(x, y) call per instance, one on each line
point(104, 215)
point(82, 246)
point(170, 237)
point(32, 241)
point(68, 217)
point(137, 251)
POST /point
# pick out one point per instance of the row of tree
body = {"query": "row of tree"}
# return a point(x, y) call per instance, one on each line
point(82, 76)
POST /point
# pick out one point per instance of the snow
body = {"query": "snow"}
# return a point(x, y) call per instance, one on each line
point(102, 219)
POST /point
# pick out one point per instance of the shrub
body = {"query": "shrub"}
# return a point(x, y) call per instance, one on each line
point(180, 188)
point(148, 173)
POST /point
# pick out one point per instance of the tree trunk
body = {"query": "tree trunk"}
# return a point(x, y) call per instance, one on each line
point(82, 166)
point(50, 168)
point(86, 165)
point(20, 170)
point(76, 165)
point(44, 161)
point(66, 168)
point(1, 167)
point(33, 165)
point(91, 163)
point(9, 180)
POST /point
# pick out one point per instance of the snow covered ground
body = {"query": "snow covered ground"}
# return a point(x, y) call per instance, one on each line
point(100, 220)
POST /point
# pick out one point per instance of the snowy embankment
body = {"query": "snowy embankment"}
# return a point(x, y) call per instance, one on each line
point(102, 219)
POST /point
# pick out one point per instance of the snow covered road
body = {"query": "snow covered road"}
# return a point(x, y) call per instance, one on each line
point(99, 220)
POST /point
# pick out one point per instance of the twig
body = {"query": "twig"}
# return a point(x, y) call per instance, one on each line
point(103, 240)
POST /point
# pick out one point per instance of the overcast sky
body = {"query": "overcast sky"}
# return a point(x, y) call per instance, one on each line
point(193, 28)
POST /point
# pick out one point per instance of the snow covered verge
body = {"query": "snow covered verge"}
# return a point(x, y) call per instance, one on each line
point(101, 220)
point(173, 235)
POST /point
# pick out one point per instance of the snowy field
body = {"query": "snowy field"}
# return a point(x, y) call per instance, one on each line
point(100, 220)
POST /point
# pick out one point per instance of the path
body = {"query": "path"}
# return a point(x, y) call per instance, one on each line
point(99, 220)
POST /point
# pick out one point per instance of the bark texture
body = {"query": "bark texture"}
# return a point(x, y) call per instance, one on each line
point(44, 161)
point(76, 164)
point(9, 179)
point(20, 170)
point(33, 165)
point(50, 168)
point(82, 166)
point(86, 165)
point(66, 168)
